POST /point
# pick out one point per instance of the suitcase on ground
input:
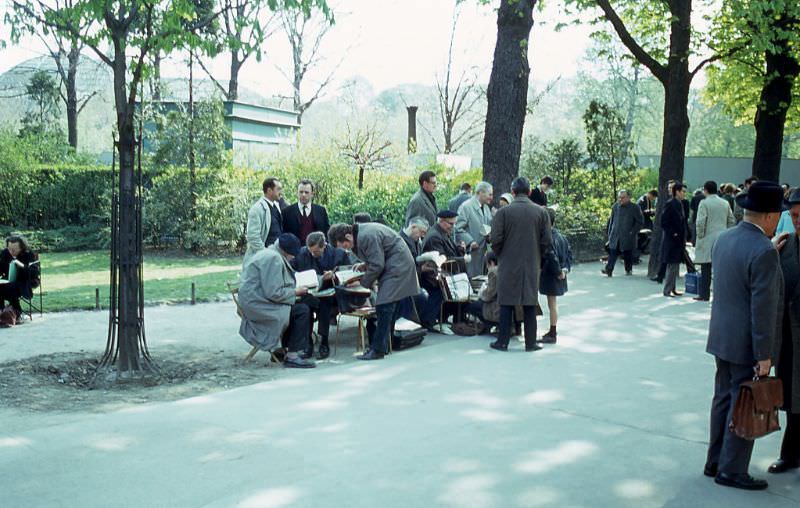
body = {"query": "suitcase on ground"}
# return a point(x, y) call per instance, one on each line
point(692, 283)
point(404, 339)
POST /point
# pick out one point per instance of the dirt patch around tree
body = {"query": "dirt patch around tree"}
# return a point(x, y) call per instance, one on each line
point(68, 382)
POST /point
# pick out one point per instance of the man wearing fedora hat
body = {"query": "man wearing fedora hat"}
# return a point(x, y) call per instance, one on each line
point(742, 332)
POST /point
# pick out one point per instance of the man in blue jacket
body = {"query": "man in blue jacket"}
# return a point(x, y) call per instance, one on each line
point(742, 333)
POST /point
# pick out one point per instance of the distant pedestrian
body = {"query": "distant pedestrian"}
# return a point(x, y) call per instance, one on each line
point(713, 217)
point(623, 232)
point(673, 238)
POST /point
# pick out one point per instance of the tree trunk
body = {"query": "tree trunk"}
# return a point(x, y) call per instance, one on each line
point(507, 94)
point(192, 162)
point(73, 58)
point(129, 330)
point(776, 98)
point(676, 120)
point(233, 84)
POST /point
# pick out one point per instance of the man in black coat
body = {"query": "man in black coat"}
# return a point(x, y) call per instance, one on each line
point(304, 217)
point(743, 330)
point(673, 238)
point(539, 194)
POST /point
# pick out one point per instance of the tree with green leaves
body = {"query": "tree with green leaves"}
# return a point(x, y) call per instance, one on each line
point(606, 141)
point(132, 29)
point(758, 82)
point(42, 92)
point(507, 94)
point(65, 50)
point(660, 35)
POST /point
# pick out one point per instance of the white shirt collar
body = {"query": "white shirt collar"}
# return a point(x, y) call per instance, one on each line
point(301, 205)
point(271, 203)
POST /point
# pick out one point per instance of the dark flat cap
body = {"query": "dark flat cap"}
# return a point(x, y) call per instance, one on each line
point(289, 244)
point(446, 214)
point(762, 196)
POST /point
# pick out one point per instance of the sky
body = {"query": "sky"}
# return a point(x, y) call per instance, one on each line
point(387, 42)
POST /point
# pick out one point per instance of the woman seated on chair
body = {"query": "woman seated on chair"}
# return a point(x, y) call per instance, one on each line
point(18, 268)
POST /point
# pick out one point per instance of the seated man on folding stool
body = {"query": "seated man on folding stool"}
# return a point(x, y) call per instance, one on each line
point(267, 297)
point(317, 255)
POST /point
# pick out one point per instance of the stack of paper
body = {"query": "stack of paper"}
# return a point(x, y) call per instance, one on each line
point(306, 279)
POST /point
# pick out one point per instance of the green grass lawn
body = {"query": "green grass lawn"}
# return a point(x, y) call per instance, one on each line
point(69, 279)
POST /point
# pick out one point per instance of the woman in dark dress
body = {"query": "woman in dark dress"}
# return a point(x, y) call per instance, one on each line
point(556, 263)
point(17, 272)
point(673, 240)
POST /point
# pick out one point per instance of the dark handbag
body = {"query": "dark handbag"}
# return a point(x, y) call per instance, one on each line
point(756, 411)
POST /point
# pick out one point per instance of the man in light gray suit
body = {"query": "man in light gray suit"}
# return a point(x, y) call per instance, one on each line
point(743, 329)
point(472, 226)
point(423, 202)
point(264, 224)
point(714, 216)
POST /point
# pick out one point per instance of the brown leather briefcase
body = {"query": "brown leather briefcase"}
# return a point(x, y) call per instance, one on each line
point(756, 411)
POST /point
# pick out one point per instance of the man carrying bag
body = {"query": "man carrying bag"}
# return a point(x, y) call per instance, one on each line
point(743, 328)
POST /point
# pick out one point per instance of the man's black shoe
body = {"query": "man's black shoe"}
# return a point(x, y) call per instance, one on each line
point(711, 470)
point(740, 481)
point(324, 351)
point(628, 272)
point(657, 280)
point(371, 355)
point(532, 347)
point(298, 363)
point(700, 299)
point(781, 466)
point(605, 272)
point(307, 353)
point(498, 346)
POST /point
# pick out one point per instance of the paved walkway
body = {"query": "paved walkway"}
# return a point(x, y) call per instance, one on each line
point(613, 415)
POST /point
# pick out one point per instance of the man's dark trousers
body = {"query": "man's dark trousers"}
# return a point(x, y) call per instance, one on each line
point(380, 329)
point(295, 338)
point(507, 319)
point(725, 448)
point(704, 282)
point(613, 254)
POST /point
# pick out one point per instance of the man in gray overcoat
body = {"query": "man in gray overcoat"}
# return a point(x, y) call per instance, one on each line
point(423, 202)
point(474, 220)
point(389, 264)
point(789, 357)
point(267, 296)
point(713, 217)
point(743, 330)
point(520, 234)
point(623, 231)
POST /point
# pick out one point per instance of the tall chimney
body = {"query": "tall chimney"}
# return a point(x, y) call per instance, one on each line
point(412, 129)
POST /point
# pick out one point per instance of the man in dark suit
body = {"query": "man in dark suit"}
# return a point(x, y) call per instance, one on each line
point(317, 255)
point(520, 235)
point(742, 332)
point(304, 217)
point(539, 193)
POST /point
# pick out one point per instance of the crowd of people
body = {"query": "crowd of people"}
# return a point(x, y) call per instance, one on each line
point(511, 253)
point(750, 236)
